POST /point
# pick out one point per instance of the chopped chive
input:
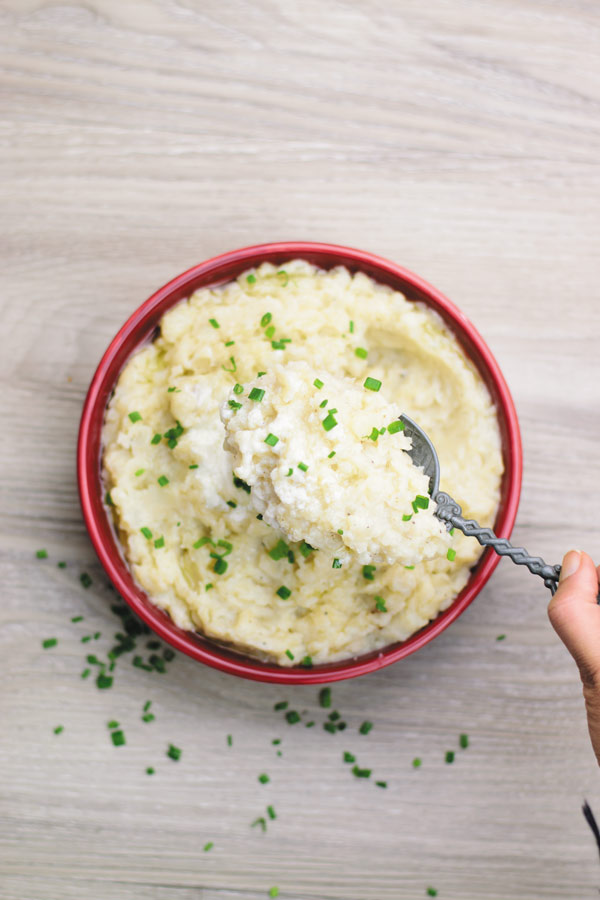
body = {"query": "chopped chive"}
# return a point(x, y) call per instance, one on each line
point(260, 374)
point(283, 592)
point(260, 821)
point(325, 697)
point(292, 717)
point(395, 427)
point(49, 642)
point(209, 586)
point(238, 389)
point(289, 472)
point(149, 771)
point(303, 467)
point(170, 390)
point(501, 637)
point(450, 756)
point(372, 384)
point(108, 499)
point(118, 738)
point(368, 572)
point(234, 404)
point(330, 727)
point(251, 279)
point(279, 550)
point(41, 554)
point(265, 320)
point(306, 549)
point(283, 704)
point(238, 483)
point(229, 343)
point(365, 727)
point(147, 705)
point(97, 635)
point(256, 394)
point(163, 480)
point(307, 662)
point(274, 891)
point(318, 383)
point(463, 740)
point(85, 580)
point(264, 779)
point(381, 784)
point(135, 416)
point(62, 564)
point(103, 682)
point(112, 724)
point(380, 604)
point(159, 542)
point(417, 763)
point(414, 506)
point(233, 367)
point(86, 638)
point(351, 327)
point(451, 532)
point(86, 673)
point(148, 717)
point(276, 741)
point(421, 501)
point(361, 353)
point(407, 518)
point(146, 532)
point(431, 892)
point(271, 812)
point(139, 472)
point(334, 716)
point(340, 531)
point(323, 404)
point(309, 725)
point(202, 541)
point(291, 558)
point(220, 566)
point(77, 619)
point(271, 439)
point(361, 773)
point(409, 567)
point(451, 554)
point(156, 439)
point(174, 752)
point(331, 455)
point(214, 323)
point(374, 434)
point(329, 422)
point(336, 564)
point(226, 545)
point(208, 846)
point(349, 757)
point(270, 331)
point(289, 654)
point(59, 729)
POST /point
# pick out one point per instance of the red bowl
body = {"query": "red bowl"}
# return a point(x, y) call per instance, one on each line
point(140, 328)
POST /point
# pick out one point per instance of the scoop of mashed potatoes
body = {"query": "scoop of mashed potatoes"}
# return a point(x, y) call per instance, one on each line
point(187, 522)
point(327, 463)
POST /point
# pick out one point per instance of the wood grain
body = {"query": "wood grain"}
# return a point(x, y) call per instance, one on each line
point(458, 138)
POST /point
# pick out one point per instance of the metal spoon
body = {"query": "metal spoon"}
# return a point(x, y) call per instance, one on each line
point(423, 454)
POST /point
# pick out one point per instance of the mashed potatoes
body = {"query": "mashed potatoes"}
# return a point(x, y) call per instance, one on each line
point(187, 523)
point(339, 479)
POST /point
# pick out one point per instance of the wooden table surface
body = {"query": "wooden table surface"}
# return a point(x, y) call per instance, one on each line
point(138, 138)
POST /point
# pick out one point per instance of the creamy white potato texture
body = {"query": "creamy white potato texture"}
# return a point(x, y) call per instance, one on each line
point(188, 525)
point(336, 476)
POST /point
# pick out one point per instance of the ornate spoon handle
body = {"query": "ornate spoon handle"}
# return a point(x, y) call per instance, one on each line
point(450, 512)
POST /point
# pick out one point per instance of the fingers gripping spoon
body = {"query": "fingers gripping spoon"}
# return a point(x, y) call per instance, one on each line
point(423, 454)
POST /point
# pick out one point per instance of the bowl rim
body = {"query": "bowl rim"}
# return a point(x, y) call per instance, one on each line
point(89, 455)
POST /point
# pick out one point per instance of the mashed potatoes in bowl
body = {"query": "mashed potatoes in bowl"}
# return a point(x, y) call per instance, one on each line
point(185, 497)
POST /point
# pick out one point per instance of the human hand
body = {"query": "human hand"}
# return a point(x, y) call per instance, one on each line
point(575, 616)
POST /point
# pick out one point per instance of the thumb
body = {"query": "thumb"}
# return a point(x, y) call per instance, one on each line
point(575, 614)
